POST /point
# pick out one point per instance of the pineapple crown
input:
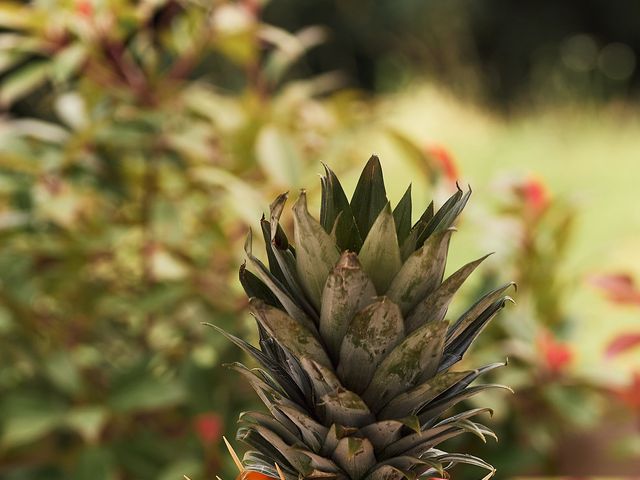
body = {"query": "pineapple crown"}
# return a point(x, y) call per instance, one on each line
point(354, 350)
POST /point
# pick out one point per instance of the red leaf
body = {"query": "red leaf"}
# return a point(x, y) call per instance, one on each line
point(618, 287)
point(556, 355)
point(622, 343)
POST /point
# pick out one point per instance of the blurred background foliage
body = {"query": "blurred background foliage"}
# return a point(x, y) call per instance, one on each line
point(140, 140)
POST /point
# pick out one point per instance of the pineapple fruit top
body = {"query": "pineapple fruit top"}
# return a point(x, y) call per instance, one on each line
point(355, 355)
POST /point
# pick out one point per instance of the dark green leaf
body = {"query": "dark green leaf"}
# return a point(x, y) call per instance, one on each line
point(402, 216)
point(369, 197)
point(468, 317)
point(336, 214)
point(456, 348)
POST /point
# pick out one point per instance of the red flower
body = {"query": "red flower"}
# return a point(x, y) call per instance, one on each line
point(445, 161)
point(556, 355)
point(534, 193)
point(618, 287)
point(208, 427)
point(630, 395)
point(84, 8)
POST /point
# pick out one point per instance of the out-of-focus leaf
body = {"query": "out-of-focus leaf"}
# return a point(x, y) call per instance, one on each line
point(181, 468)
point(165, 266)
point(622, 343)
point(278, 156)
point(22, 82)
point(67, 62)
point(63, 372)
point(87, 421)
point(26, 427)
point(146, 393)
point(243, 198)
point(290, 47)
point(15, 15)
point(40, 130)
point(72, 110)
point(94, 463)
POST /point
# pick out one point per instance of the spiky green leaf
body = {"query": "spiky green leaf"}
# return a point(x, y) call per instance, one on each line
point(355, 456)
point(316, 253)
point(415, 359)
point(346, 408)
point(422, 273)
point(348, 290)
point(402, 216)
point(410, 402)
point(369, 197)
point(380, 253)
point(371, 335)
point(434, 307)
point(336, 214)
point(290, 334)
point(263, 273)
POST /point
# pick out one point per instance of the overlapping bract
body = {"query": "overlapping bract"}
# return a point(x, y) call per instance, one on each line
point(355, 352)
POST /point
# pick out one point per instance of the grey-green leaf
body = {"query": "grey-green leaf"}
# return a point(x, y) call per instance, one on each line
point(414, 360)
point(475, 311)
point(410, 402)
point(323, 380)
point(408, 246)
point(316, 252)
point(348, 290)
point(434, 307)
point(262, 272)
point(380, 253)
point(282, 261)
point(422, 273)
point(355, 456)
point(312, 432)
point(345, 408)
point(290, 334)
point(371, 335)
point(382, 433)
point(446, 215)
point(270, 422)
